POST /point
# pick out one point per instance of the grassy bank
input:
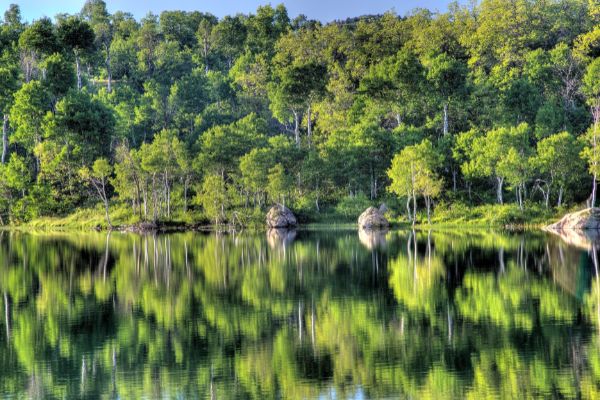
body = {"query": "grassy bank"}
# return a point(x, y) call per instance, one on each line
point(454, 215)
point(493, 215)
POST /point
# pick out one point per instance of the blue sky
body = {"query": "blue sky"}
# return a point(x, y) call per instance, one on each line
point(324, 10)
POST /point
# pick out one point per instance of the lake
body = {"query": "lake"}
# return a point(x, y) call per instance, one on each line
point(315, 314)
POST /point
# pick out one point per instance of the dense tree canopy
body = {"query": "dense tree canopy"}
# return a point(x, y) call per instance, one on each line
point(265, 108)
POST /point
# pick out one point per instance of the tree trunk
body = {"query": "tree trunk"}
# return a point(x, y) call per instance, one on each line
point(560, 195)
point(445, 119)
point(106, 212)
point(428, 204)
point(186, 183)
point(408, 208)
point(154, 199)
point(500, 182)
point(309, 125)
point(372, 196)
point(297, 127)
point(454, 179)
point(594, 186)
point(145, 194)
point(78, 65)
point(102, 192)
point(414, 196)
point(108, 69)
point(4, 138)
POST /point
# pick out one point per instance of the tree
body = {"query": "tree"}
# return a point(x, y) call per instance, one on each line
point(254, 167)
point(84, 125)
point(294, 90)
point(129, 181)
point(448, 79)
point(279, 183)
point(78, 36)
point(38, 40)
point(31, 102)
point(98, 177)
point(161, 159)
point(591, 89)
point(213, 197)
point(223, 145)
point(556, 160)
point(59, 77)
point(205, 40)
point(229, 36)
point(8, 85)
point(412, 174)
point(396, 81)
point(488, 152)
point(96, 14)
point(514, 166)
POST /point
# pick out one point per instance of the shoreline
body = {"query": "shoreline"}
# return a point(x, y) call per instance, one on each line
point(166, 228)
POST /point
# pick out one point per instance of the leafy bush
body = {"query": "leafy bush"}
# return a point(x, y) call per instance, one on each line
point(352, 206)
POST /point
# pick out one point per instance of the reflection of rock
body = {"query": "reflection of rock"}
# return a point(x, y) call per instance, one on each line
point(373, 218)
point(587, 219)
point(142, 227)
point(580, 229)
point(280, 237)
point(279, 216)
point(584, 239)
point(372, 239)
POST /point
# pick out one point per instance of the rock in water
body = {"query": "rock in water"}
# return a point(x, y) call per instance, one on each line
point(588, 219)
point(279, 216)
point(372, 218)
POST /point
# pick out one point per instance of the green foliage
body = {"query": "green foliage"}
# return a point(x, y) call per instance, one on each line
point(351, 206)
point(301, 112)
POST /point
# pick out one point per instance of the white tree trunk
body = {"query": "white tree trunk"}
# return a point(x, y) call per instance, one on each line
point(78, 65)
point(309, 125)
point(4, 138)
point(297, 127)
point(445, 118)
point(500, 182)
point(108, 69)
point(594, 187)
point(560, 195)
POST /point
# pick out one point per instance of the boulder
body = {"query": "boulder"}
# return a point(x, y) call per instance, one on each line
point(279, 216)
point(588, 219)
point(372, 218)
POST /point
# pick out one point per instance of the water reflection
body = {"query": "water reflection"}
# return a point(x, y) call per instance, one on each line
point(298, 315)
point(372, 239)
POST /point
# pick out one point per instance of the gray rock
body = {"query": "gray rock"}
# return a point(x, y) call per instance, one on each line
point(588, 219)
point(279, 216)
point(372, 218)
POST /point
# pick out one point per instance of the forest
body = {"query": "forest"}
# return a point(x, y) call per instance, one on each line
point(185, 117)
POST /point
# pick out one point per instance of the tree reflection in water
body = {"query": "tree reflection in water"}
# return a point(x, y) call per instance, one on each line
point(299, 315)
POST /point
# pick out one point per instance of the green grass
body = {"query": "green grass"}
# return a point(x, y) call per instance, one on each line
point(493, 215)
point(84, 219)
point(453, 215)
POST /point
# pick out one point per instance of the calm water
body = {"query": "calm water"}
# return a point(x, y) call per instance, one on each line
point(312, 314)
